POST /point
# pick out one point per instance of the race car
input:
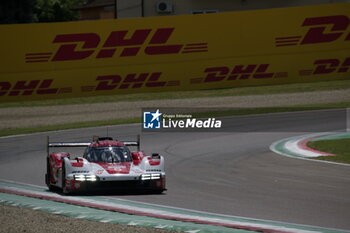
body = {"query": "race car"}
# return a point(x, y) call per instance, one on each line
point(106, 164)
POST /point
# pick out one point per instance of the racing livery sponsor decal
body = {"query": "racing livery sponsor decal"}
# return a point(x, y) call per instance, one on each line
point(115, 168)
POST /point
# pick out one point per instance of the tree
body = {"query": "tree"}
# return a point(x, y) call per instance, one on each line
point(34, 11)
point(17, 11)
point(56, 10)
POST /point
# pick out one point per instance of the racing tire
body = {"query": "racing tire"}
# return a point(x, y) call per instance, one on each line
point(64, 190)
point(159, 191)
point(48, 176)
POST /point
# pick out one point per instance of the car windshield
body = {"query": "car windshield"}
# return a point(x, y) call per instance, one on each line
point(108, 154)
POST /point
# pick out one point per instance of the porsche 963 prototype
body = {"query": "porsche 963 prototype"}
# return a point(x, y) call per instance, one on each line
point(106, 164)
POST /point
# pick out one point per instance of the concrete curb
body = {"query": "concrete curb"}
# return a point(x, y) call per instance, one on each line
point(124, 212)
point(296, 147)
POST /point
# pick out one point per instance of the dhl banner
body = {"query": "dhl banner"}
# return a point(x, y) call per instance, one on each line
point(85, 58)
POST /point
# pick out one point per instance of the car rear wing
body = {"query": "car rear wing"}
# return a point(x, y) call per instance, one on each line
point(86, 144)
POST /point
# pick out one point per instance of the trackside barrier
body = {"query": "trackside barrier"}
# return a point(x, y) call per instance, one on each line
point(190, 52)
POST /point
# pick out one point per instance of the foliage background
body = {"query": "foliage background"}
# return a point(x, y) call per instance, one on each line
point(36, 11)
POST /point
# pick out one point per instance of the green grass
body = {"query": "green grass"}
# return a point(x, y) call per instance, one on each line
point(220, 113)
point(239, 91)
point(250, 111)
point(339, 147)
point(16, 131)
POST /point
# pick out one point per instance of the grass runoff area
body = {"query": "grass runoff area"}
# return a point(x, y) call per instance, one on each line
point(238, 91)
point(241, 91)
point(339, 147)
point(222, 113)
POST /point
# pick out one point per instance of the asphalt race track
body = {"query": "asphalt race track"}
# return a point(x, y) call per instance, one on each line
point(231, 172)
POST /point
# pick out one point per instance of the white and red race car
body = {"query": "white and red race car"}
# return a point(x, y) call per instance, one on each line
point(106, 164)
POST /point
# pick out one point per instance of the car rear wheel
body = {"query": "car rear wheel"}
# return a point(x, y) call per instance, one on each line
point(64, 189)
point(48, 176)
point(159, 191)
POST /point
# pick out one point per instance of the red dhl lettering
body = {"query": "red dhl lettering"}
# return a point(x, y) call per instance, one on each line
point(322, 30)
point(111, 82)
point(40, 87)
point(338, 24)
point(328, 66)
point(119, 43)
point(332, 65)
point(104, 83)
point(256, 71)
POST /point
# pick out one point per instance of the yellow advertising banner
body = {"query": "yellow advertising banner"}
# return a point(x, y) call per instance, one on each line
point(85, 58)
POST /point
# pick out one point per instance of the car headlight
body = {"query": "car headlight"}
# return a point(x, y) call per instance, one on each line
point(90, 178)
point(85, 177)
point(154, 176)
point(79, 177)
